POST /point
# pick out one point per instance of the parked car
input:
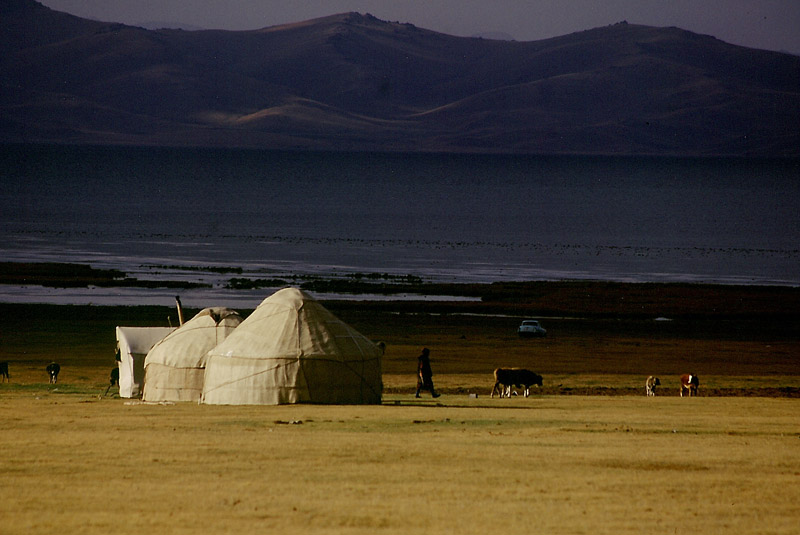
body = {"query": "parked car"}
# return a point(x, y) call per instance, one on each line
point(531, 328)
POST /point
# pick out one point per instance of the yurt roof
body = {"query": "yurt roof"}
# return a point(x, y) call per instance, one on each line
point(187, 345)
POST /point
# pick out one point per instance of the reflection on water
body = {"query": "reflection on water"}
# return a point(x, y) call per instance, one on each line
point(443, 217)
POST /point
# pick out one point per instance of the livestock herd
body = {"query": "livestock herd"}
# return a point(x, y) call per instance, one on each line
point(689, 385)
point(505, 379)
point(52, 370)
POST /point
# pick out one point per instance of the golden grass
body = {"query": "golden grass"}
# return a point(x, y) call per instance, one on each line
point(74, 463)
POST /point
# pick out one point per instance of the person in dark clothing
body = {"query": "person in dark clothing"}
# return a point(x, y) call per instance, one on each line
point(425, 374)
point(113, 378)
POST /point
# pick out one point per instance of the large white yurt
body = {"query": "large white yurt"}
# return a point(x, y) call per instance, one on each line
point(293, 350)
point(174, 368)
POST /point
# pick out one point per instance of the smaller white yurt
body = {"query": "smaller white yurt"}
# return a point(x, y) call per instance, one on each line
point(134, 344)
point(175, 366)
point(293, 350)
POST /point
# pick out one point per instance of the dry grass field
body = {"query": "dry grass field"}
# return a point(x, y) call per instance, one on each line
point(77, 463)
point(587, 453)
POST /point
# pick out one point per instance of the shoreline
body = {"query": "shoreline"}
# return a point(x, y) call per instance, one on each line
point(67, 284)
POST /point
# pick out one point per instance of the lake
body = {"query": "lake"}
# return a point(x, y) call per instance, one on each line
point(157, 212)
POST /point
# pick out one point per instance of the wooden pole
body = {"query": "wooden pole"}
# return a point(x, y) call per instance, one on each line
point(180, 310)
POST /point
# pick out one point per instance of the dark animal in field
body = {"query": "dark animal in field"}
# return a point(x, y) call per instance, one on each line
point(53, 370)
point(505, 378)
point(689, 384)
point(4, 371)
point(113, 378)
point(651, 384)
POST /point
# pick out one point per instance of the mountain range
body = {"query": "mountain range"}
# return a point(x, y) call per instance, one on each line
point(354, 82)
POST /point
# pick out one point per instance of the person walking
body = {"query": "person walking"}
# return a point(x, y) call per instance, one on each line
point(425, 374)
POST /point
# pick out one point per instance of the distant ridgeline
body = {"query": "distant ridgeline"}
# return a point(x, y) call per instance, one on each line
point(353, 82)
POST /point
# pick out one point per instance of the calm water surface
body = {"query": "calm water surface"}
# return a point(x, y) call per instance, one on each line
point(443, 217)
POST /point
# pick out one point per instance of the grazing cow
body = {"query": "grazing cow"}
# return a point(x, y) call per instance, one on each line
point(4, 371)
point(689, 384)
point(508, 377)
point(113, 378)
point(651, 384)
point(52, 370)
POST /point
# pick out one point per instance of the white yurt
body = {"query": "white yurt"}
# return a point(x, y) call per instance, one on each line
point(175, 366)
point(133, 344)
point(293, 350)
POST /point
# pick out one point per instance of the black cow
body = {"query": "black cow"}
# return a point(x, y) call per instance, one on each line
point(508, 377)
point(4, 371)
point(52, 370)
point(113, 378)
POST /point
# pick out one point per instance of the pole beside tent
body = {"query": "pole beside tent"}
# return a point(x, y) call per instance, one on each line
point(180, 310)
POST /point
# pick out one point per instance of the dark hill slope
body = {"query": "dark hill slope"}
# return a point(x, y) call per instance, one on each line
point(354, 82)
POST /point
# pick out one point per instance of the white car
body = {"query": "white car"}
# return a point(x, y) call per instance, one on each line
point(531, 328)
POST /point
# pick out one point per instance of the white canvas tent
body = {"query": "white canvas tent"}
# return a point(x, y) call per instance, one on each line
point(133, 344)
point(175, 366)
point(292, 350)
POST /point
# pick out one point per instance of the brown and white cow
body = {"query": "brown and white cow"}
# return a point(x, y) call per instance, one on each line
point(651, 384)
point(689, 384)
point(505, 378)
